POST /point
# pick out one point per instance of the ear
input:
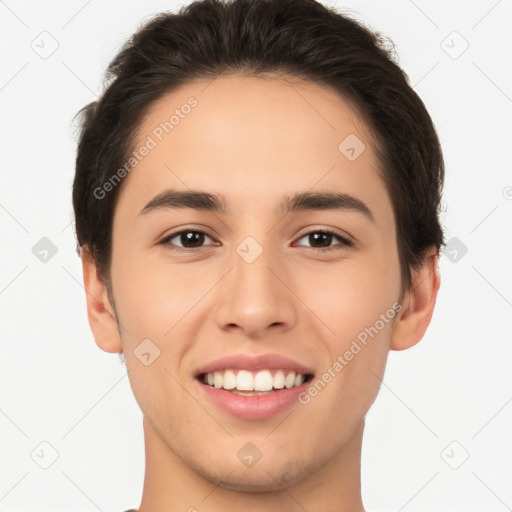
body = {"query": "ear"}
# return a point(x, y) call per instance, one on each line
point(418, 304)
point(100, 312)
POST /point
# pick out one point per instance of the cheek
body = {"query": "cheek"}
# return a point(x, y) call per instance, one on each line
point(156, 302)
point(350, 296)
point(154, 298)
point(357, 304)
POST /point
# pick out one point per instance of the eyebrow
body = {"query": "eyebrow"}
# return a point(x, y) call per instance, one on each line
point(198, 200)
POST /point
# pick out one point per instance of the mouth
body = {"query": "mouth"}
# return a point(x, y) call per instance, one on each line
point(253, 395)
point(253, 387)
point(254, 383)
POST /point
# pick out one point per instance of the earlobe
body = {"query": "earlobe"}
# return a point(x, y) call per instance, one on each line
point(100, 312)
point(418, 304)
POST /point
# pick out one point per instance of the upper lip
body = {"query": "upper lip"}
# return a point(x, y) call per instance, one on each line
point(254, 363)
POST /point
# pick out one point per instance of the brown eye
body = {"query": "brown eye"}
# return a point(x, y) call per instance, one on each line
point(323, 239)
point(186, 239)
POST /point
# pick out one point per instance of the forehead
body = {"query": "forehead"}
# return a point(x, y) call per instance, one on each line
point(283, 106)
point(253, 134)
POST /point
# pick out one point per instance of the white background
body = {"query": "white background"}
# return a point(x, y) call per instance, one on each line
point(58, 387)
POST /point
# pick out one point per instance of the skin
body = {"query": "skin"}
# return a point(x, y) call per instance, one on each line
point(255, 140)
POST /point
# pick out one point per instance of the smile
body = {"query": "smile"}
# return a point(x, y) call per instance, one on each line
point(254, 383)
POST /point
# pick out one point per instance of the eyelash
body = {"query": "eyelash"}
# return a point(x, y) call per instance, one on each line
point(345, 242)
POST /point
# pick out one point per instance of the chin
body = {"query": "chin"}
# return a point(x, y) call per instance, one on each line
point(266, 478)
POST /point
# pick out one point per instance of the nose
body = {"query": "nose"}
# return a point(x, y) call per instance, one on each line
point(256, 296)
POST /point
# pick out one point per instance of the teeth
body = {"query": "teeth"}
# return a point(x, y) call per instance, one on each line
point(260, 382)
point(263, 381)
point(229, 381)
point(289, 381)
point(217, 379)
point(244, 381)
point(279, 379)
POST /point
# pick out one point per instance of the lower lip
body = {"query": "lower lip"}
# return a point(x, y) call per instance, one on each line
point(258, 407)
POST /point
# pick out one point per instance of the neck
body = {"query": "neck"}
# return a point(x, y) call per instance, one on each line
point(170, 485)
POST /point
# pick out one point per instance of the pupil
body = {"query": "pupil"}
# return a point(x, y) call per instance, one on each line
point(319, 236)
point(192, 237)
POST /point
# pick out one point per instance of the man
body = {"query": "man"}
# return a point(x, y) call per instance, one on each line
point(256, 201)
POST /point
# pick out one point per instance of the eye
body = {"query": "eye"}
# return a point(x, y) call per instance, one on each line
point(189, 239)
point(321, 239)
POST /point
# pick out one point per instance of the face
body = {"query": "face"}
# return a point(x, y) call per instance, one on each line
point(275, 284)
